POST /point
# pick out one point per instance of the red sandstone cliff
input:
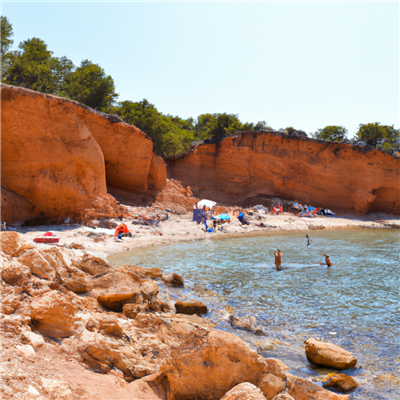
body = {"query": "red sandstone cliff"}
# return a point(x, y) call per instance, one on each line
point(256, 165)
point(57, 157)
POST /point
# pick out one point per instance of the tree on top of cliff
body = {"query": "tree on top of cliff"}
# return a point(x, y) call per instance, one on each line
point(90, 85)
point(384, 137)
point(331, 132)
point(34, 67)
point(218, 126)
point(262, 126)
point(6, 43)
point(170, 135)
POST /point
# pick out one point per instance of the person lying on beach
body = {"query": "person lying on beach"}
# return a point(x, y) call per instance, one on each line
point(327, 261)
point(278, 259)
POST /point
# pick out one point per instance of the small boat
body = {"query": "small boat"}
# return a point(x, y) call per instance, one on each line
point(47, 240)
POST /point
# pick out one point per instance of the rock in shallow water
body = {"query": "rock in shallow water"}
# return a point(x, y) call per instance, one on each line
point(341, 383)
point(173, 280)
point(329, 355)
point(191, 307)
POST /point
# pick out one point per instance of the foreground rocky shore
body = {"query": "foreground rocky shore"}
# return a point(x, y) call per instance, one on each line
point(73, 327)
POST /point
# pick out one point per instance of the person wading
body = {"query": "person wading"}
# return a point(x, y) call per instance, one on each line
point(278, 259)
point(327, 261)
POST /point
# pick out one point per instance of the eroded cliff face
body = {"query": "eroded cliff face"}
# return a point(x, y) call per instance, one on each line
point(253, 166)
point(57, 158)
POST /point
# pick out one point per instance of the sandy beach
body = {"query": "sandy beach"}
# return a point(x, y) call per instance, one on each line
point(101, 241)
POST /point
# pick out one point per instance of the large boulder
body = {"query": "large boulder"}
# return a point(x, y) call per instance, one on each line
point(53, 315)
point(207, 364)
point(329, 355)
point(244, 391)
point(125, 285)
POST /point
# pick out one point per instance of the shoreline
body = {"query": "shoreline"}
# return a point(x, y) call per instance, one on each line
point(180, 228)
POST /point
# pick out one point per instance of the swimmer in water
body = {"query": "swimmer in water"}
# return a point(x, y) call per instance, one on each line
point(308, 240)
point(278, 259)
point(327, 260)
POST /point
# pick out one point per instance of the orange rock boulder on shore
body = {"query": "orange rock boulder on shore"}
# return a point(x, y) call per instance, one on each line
point(329, 355)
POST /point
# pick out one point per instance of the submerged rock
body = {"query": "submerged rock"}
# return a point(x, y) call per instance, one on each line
point(341, 383)
point(247, 323)
point(173, 280)
point(191, 307)
point(329, 355)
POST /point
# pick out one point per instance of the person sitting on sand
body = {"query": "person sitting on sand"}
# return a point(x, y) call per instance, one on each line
point(328, 261)
point(242, 219)
point(278, 259)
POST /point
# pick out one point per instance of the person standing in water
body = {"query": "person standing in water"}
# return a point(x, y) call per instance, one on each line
point(278, 259)
point(308, 240)
point(328, 261)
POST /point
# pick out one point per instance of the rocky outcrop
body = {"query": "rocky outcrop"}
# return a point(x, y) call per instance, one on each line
point(138, 350)
point(252, 166)
point(58, 156)
point(329, 355)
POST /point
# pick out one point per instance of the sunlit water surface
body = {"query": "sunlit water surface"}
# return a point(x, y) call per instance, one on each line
point(354, 304)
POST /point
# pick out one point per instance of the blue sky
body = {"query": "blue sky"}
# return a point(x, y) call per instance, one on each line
point(300, 64)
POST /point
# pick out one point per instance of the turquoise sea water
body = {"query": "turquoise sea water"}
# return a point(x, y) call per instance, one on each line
point(354, 304)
